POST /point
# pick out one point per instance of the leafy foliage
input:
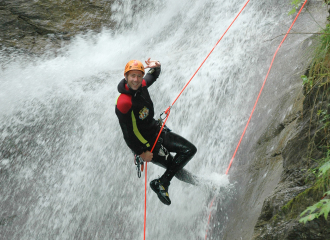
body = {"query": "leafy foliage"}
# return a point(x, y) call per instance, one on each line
point(317, 84)
point(320, 208)
point(296, 4)
point(325, 167)
point(307, 81)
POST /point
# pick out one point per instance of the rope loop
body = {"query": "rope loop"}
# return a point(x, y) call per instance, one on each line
point(166, 112)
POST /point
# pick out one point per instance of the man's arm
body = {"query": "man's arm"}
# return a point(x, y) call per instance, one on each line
point(133, 138)
point(152, 76)
point(153, 73)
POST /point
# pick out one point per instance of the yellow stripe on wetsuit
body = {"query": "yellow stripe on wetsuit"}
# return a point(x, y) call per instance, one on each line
point(137, 132)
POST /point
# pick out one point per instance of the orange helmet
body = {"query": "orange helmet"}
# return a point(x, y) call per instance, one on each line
point(134, 65)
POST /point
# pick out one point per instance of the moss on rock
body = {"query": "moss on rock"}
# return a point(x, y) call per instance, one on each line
point(35, 25)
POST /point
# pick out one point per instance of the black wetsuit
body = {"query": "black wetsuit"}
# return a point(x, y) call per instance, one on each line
point(135, 112)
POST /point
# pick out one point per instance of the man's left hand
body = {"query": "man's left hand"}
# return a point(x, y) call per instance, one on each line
point(152, 63)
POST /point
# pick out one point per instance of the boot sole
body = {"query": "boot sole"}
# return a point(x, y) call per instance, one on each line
point(159, 195)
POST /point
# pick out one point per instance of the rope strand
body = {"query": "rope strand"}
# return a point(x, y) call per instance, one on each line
point(232, 159)
point(262, 87)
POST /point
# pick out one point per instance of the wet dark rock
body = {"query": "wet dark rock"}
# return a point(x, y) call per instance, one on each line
point(274, 183)
point(34, 25)
point(279, 218)
point(282, 156)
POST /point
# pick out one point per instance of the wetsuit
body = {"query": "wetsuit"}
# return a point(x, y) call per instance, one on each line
point(135, 111)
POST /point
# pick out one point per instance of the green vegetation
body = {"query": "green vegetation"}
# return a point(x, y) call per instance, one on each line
point(303, 200)
point(318, 209)
point(316, 86)
point(322, 184)
point(295, 5)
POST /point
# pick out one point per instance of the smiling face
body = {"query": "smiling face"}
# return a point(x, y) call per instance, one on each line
point(134, 79)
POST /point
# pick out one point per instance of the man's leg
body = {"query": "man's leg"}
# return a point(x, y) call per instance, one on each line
point(186, 176)
point(184, 152)
point(183, 174)
point(174, 166)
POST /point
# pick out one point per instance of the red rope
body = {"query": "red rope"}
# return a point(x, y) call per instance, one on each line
point(208, 221)
point(167, 112)
point(262, 87)
point(210, 52)
point(231, 161)
point(145, 202)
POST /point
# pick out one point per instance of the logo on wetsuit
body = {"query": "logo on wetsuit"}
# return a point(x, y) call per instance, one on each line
point(144, 112)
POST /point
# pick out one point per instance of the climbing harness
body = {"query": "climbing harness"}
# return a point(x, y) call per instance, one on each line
point(161, 123)
point(138, 161)
point(163, 152)
point(161, 118)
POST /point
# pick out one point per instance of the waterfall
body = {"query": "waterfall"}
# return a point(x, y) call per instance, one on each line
point(65, 170)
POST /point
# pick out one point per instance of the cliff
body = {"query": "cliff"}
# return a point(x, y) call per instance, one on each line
point(278, 183)
point(33, 26)
point(305, 150)
point(281, 180)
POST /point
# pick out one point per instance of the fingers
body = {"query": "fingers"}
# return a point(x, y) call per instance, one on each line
point(152, 63)
point(148, 63)
point(149, 156)
point(146, 156)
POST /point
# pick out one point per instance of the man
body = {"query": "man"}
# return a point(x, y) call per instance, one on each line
point(135, 112)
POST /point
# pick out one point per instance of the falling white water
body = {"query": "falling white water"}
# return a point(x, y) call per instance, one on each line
point(65, 170)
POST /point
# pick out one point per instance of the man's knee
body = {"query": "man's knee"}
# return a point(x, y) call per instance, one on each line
point(194, 150)
point(191, 151)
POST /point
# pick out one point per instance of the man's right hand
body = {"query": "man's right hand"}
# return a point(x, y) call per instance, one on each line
point(147, 156)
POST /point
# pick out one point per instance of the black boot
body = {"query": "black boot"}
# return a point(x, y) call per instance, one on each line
point(161, 189)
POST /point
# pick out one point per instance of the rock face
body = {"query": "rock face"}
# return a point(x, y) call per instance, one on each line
point(32, 25)
point(297, 188)
point(281, 173)
point(274, 185)
point(278, 173)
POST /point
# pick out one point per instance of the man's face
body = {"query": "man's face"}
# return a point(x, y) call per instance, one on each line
point(134, 79)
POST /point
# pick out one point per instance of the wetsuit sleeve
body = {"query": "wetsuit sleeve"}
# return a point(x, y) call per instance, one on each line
point(132, 142)
point(132, 136)
point(151, 76)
